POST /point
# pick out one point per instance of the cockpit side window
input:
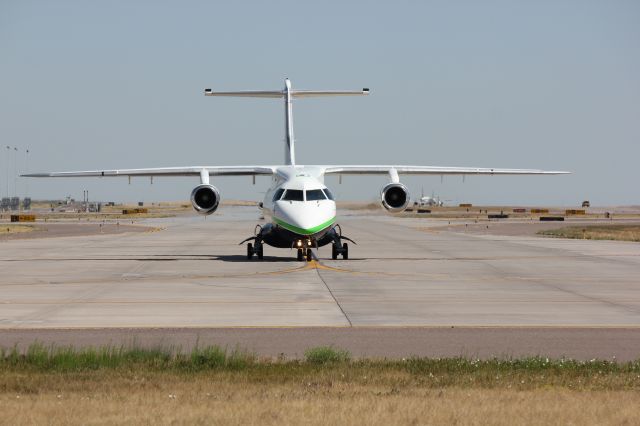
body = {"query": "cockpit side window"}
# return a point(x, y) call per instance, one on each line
point(329, 194)
point(293, 195)
point(278, 194)
point(315, 195)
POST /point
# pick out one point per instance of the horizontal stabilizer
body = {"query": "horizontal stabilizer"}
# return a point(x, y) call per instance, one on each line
point(282, 93)
point(319, 93)
point(247, 93)
point(287, 94)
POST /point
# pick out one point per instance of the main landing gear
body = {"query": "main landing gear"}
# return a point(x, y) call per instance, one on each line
point(337, 250)
point(257, 247)
point(258, 250)
point(337, 246)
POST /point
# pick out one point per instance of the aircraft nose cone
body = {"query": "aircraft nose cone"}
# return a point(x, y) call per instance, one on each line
point(305, 218)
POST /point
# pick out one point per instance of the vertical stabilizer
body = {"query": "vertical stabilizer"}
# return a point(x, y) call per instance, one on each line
point(289, 149)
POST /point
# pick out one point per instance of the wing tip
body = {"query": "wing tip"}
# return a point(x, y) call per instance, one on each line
point(36, 175)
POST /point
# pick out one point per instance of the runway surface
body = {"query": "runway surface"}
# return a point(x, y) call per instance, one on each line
point(403, 273)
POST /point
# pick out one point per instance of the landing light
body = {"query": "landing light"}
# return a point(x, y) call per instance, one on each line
point(299, 244)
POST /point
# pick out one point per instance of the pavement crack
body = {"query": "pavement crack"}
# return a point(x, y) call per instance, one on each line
point(316, 263)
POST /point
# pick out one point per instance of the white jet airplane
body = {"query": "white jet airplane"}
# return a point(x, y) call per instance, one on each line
point(301, 209)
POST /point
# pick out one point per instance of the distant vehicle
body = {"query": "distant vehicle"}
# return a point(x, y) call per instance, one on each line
point(431, 201)
point(301, 208)
point(586, 203)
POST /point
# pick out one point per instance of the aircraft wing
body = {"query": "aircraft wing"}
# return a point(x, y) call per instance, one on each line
point(433, 170)
point(167, 171)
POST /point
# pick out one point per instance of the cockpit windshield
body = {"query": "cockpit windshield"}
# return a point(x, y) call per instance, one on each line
point(329, 194)
point(293, 195)
point(315, 195)
point(278, 194)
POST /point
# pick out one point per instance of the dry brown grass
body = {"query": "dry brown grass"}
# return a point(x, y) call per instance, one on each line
point(238, 398)
point(359, 205)
point(210, 385)
point(597, 232)
point(15, 229)
point(154, 210)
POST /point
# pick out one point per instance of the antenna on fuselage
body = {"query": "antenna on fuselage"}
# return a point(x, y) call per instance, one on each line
point(287, 94)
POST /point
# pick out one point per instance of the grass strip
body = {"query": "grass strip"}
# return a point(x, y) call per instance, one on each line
point(214, 385)
point(323, 364)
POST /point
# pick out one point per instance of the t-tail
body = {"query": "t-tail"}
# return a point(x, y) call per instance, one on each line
point(288, 94)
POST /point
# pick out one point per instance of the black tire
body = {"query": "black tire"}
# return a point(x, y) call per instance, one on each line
point(249, 251)
point(309, 255)
point(299, 255)
point(334, 252)
point(260, 251)
point(345, 251)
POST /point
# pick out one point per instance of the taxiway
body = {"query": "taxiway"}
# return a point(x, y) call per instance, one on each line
point(404, 273)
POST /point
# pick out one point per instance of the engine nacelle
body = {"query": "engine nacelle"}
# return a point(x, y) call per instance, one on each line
point(395, 197)
point(205, 198)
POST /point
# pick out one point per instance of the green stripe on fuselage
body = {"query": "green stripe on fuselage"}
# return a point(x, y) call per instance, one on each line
point(303, 231)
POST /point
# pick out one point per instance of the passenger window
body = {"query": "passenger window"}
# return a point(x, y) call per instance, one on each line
point(329, 194)
point(278, 194)
point(315, 195)
point(293, 195)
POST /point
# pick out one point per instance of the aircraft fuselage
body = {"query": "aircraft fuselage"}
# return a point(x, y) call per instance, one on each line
point(300, 208)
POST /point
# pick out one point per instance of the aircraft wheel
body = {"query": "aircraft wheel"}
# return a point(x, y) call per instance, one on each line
point(334, 252)
point(309, 255)
point(299, 255)
point(345, 251)
point(249, 251)
point(260, 251)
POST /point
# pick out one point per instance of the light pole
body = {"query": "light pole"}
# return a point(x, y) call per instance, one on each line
point(8, 153)
point(26, 166)
point(15, 171)
point(1, 164)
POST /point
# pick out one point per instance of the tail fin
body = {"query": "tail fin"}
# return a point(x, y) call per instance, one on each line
point(288, 94)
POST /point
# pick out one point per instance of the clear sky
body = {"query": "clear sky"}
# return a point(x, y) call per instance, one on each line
point(526, 84)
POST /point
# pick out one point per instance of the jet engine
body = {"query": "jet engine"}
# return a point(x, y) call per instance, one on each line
point(205, 198)
point(395, 197)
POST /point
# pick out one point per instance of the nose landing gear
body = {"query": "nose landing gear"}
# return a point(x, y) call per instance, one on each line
point(305, 254)
point(304, 250)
